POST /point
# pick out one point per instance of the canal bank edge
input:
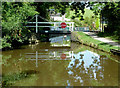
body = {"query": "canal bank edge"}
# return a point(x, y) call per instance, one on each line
point(85, 39)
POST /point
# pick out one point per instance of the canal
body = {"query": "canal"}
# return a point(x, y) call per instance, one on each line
point(58, 64)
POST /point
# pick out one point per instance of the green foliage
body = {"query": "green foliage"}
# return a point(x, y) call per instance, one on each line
point(88, 13)
point(78, 6)
point(96, 7)
point(71, 14)
point(67, 13)
point(77, 22)
point(110, 13)
point(9, 79)
point(97, 23)
point(5, 59)
point(4, 42)
point(88, 19)
point(43, 7)
point(113, 18)
point(61, 7)
point(14, 15)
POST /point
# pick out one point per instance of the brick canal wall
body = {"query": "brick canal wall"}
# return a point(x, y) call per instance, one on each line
point(75, 37)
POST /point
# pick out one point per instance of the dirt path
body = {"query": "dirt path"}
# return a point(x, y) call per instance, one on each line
point(105, 40)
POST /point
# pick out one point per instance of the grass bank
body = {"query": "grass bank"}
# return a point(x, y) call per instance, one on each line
point(89, 41)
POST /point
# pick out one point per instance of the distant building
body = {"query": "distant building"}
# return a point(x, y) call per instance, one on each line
point(57, 16)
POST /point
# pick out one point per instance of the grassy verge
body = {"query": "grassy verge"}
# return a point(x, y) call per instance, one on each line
point(87, 40)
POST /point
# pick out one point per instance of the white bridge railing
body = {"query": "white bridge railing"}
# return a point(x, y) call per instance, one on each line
point(51, 56)
point(56, 25)
point(81, 28)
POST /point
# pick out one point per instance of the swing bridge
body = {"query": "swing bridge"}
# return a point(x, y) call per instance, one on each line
point(55, 27)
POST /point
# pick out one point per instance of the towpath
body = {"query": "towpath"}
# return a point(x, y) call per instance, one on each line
point(105, 40)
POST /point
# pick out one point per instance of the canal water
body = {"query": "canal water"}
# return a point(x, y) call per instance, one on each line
point(48, 64)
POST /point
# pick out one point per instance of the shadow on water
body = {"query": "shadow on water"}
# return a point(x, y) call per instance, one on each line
point(79, 66)
point(17, 76)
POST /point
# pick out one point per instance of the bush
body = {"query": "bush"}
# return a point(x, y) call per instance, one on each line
point(4, 44)
point(14, 16)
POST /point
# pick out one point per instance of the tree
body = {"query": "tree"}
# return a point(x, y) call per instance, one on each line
point(110, 13)
point(14, 14)
point(113, 18)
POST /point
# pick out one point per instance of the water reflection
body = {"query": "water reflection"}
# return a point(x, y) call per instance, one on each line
point(63, 40)
point(51, 55)
point(83, 68)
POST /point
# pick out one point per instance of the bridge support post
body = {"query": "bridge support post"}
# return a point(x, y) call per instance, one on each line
point(36, 24)
point(54, 26)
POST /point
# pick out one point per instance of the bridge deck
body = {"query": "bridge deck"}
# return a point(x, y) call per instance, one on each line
point(53, 32)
